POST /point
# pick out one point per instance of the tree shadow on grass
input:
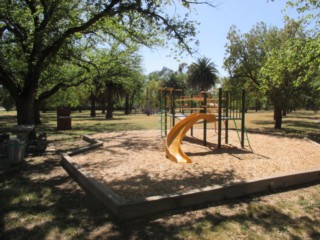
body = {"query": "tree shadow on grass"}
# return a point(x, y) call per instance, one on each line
point(253, 217)
point(100, 127)
point(302, 125)
point(293, 126)
point(40, 201)
point(298, 128)
point(97, 119)
point(287, 132)
point(6, 122)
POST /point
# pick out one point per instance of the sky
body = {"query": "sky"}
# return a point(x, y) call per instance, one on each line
point(214, 26)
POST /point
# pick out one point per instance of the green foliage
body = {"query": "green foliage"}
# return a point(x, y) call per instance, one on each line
point(310, 10)
point(150, 98)
point(282, 64)
point(246, 53)
point(6, 100)
point(63, 98)
point(169, 78)
point(42, 42)
point(202, 75)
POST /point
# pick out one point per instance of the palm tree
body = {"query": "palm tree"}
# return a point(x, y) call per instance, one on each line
point(202, 74)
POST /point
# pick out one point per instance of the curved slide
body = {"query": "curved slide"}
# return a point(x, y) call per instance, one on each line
point(177, 133)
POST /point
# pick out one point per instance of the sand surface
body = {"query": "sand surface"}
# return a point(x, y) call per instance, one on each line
point(133, 163)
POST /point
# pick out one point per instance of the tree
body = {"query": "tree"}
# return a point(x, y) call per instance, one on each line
point(59, 77)
point(34, 34)
point(107, 64)
point(310, 9)
point(151, 94)
point(133, 93)
point(246, 53)
point(64, 98)
point(289, 65)
point(202, 74)
point(277, 61)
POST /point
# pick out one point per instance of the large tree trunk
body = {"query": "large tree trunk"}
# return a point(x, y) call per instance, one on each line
point(131, 104)
point(103, 102)
point(109, 113)
point(284, 112)
point(93, 105)
point(127, 105)
point(258, 105)
point(110, 103)
point(277, 117)
point(25, 109)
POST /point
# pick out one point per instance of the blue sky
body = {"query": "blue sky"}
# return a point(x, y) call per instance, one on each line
point(214, 27)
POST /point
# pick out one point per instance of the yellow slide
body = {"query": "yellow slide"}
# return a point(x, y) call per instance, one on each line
point(177, 133)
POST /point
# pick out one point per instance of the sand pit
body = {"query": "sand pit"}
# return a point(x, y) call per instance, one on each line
point(133, 163)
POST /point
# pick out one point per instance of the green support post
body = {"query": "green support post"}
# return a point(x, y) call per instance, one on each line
point(227, 95)
point(205, 122)
point(243, 117)
point(191, 106)
point(220, 118)
point(173, 111)
point(165, 113)
point(160, 110)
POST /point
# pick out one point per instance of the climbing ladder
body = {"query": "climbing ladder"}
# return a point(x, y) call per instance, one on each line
point(162, 123)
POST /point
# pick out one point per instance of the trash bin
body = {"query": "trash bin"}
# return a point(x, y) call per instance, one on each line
point(63, 118)
point(64, 112)
point(64, 123)
point(16, 149)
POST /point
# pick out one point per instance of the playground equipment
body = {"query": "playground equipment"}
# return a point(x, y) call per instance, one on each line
point(219, 109)
point(177, 133)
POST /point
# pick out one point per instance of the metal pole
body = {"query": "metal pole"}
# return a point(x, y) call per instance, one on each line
point(160, 112)
point(205, 122)
point(191, 106)
point(243, 117)
point(220, 118)
point(173, 111)
point(226, 120)
point(165, 113)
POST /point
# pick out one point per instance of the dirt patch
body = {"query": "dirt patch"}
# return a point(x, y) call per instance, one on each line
point(133, 163)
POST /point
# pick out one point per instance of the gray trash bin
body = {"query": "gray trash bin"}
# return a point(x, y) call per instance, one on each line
point(16, 149)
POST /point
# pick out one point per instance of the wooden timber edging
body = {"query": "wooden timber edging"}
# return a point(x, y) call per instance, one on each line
point(128, 209)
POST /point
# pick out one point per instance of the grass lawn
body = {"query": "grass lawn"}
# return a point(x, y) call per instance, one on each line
point(38, 200)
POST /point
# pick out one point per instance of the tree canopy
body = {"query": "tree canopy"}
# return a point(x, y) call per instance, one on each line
point(282, 63)
point(36, 36)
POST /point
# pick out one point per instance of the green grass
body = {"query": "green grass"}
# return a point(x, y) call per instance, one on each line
point(296, 124)
point(38, 200)
point(82, 124)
